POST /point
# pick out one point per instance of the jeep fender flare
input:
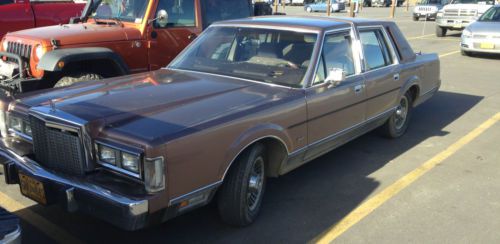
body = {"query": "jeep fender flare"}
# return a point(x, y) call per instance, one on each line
point(49, 61)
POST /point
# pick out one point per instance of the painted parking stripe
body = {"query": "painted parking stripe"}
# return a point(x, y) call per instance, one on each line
point(376, 201)
point(48, 228)
point(448, 54)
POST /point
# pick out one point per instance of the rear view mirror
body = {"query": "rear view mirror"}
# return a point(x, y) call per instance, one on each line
point(162, 18)
point(335, 76)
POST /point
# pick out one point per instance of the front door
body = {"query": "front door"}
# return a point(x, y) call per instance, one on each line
point(334, 110)
point(167, 39)
point(382, 75)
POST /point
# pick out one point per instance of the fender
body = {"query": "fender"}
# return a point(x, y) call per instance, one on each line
point(250, 136)
point(413, 80)
point(50, 60)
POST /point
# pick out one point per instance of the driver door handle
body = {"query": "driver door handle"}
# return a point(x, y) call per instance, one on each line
point(396, 76)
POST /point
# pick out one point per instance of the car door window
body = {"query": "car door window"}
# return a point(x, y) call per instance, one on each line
point(337, 53)
point(375, 49)
point(180, 12)
point(2, 2)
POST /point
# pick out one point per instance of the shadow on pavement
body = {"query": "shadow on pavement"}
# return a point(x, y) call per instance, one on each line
point(297, 206)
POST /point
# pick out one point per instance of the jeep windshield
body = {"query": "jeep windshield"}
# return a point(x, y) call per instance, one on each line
point(265, 55)
point(120, 10)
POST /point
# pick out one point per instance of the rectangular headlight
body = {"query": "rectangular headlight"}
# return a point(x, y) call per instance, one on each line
point(107, 154)
point(130, 162)
point(154, 174)
point(16, 123)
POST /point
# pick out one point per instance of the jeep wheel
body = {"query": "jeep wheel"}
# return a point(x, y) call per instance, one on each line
point(398, 122)
point(415, 18)
point(240, 197)
point(72, 79)
point(440, 31)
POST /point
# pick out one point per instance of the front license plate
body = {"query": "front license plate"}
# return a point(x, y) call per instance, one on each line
point(487, 45)
point(32, 188)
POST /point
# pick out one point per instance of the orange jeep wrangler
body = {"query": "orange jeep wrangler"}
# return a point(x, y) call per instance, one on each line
point(111, 38)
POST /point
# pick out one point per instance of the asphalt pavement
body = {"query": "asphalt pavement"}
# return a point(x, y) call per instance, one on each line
point(439, 183)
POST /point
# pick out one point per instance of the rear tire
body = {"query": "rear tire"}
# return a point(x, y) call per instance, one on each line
point(415, 18)
point(440, 31)
point(240, 196)
point(397, 124)
point(75, 78)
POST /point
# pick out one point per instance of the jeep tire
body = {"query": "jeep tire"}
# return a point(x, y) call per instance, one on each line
point(240, 197)
point(440, 31)
point(71, 79)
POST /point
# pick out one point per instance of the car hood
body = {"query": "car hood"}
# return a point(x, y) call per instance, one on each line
point(73, 34)
point(159, 105)
point(485, 27)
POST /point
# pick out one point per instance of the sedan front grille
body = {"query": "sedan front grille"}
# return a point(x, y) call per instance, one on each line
point(57, 149)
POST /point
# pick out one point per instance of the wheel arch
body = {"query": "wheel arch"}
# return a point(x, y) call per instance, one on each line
point(412, 85)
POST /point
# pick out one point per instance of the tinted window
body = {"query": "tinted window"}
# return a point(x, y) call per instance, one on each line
point(2, 2)
point(271, 56)
point(375, 49)
point(216, 10)
point(337, 53)
point(180, 12)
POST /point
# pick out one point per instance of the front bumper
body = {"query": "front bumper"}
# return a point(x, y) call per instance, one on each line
point(75, 194)
point(19, 82)
point(427, 15)
point(454, 23)
point(480, 45)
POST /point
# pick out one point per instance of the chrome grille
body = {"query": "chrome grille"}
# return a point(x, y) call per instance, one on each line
point(57, 149)
point(460, 12)
point(23, 50)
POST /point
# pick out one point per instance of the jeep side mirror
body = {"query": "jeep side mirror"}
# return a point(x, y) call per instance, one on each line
point(335, 76)
point(161, 18)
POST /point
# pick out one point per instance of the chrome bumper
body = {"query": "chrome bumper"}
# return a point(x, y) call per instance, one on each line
point(475, 45)
point(453, 23)
point(77, 195)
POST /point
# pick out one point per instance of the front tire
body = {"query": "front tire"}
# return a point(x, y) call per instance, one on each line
point(415, 18)
point(440, 31)
point(397, 124)
point(241, 195)
point(68, 80)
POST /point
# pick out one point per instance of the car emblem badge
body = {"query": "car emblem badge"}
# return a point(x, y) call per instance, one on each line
point(52, 105)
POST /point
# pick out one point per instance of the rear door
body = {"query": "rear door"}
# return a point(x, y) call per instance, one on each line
point(381, 70)
point(166, 41)
point(334, 110)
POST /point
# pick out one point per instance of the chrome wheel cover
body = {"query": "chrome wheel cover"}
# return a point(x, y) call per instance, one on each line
point(255, 183)
point(401, 113)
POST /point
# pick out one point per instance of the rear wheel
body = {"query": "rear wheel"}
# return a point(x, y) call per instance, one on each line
point(415, 18)
point(71, 79)
point(241, 195)
point(440, 31)
point(398, 122)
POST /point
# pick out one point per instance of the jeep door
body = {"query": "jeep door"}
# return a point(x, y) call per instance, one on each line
point(167, 39)
point(333, 110)
point(382, 71)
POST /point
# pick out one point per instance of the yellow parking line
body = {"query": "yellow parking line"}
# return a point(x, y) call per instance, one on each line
point(376, 201)
point(51, 230)
point(418, 37)
point(448, 54)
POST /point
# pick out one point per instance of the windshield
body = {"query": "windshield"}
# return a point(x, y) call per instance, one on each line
point(428, 2)
point(492, 15)
point(266, 55)
point(123, 10)
point(483, 2)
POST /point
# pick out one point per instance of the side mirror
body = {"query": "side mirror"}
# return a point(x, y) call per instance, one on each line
point(161, 18)
point(335, 76)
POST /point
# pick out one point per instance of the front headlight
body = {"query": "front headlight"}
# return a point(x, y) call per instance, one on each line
point(15, 123)
point(18, 125)
point(130, 162)
point(466, 34)
point(39, 52)
point(107, 154)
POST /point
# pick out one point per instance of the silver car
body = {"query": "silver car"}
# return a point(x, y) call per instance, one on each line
point(484, 34)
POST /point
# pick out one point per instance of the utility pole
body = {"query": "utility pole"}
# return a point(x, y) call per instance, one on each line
point(351, 9)
point(329, 8)
point(276, 3)
point(283, 2)
point(407, 5)
point(393, 8)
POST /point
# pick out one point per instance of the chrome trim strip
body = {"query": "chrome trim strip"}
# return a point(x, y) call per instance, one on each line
point(136, 207)
point(20, 134)
point(13, 237)
point(122, 170)
point(195, 192)
point(269, 27)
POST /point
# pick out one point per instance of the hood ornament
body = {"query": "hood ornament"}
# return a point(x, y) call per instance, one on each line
point(52, 105)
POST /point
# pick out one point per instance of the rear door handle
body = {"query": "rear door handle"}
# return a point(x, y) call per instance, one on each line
point(358, 89)
point(396, 76)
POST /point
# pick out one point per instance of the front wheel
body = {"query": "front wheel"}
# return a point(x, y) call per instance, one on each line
point(415, 18)
point(398, 122)
point(309, 9)
point(241, 195)
point(440, 31)
point(71, 79)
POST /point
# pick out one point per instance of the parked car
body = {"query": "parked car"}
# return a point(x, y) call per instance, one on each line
point(428, 9)
point(25, 14)
point(113, 38)
point(385, 3)
point(295, 2)
point(322, 6)
point(249, 99)
point(459, 14)
point(483, 36)
point(10, 231)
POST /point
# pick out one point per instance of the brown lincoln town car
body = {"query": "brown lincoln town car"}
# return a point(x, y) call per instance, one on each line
point(249, 99)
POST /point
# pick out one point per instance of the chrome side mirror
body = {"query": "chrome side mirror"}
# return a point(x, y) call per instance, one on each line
point(161, 18)
point(335, 76)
